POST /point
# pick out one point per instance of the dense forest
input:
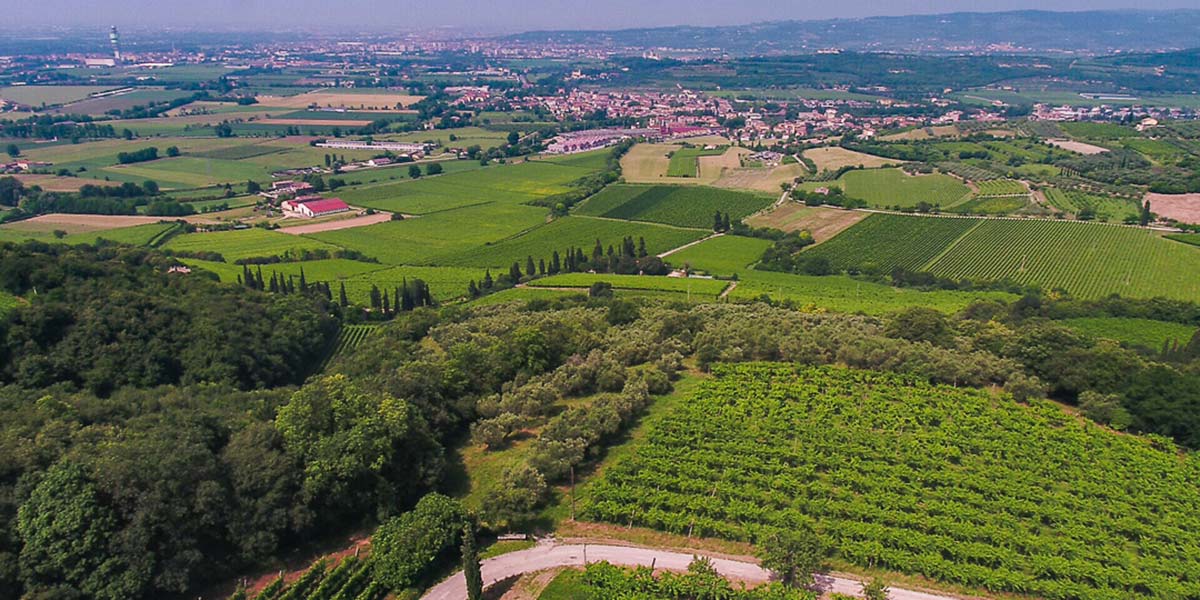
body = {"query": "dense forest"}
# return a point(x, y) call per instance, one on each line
point(162, 431)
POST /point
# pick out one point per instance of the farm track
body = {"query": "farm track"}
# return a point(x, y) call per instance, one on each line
point(549, 555)
point(689, 244)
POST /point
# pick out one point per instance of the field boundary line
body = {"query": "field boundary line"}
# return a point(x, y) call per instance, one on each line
point(950, 246)
point(689, 245)
point(654, 223)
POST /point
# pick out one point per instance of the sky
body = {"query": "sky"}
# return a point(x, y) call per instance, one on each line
point(499, 15)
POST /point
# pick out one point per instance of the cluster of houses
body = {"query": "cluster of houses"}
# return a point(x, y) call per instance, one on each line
point(22, 166)
point(591, 139)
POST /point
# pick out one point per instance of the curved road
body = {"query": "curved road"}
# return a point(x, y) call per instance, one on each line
point(547, 555)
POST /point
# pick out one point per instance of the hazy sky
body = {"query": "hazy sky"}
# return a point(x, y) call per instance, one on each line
point(501, 15)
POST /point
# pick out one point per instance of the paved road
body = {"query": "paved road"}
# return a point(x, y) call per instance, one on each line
point(689, 245)
point(549, 555)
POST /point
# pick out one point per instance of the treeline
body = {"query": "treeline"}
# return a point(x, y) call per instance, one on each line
point(70, 127)
point(631, 259)
point(589, 185)
point(123, 199)
point(143, 155)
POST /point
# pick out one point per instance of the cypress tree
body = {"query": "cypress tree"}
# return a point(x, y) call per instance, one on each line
point(1145, 219)
point(514, 273)
point(376, 302)
point(303, 281)
point(555, 263)
point(597, 253)
point(717, 221)
point(472, 569)
point(529, 266)
point(641, 247)
point(387, 304)
point(406, 299)
point(487, 280)
point(541, 266)
point(342, 299)
point(259, 283)
point(397, 302)
point(472, 289)
point(426, 296)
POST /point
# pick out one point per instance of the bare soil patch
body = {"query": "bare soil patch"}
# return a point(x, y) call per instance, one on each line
point(832, 158)
point(319, 122)
point(1181, 207)
point(822, 223)
point(332, 99)
point(80, 223)
point(54, 183)
point(763, 180)
point(1079, 147)
point(338, 224)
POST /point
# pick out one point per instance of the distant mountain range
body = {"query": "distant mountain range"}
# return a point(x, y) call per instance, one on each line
point(1090, 32)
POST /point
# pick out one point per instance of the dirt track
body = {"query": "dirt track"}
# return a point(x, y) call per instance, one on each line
point(340, 224)
point(549, 555)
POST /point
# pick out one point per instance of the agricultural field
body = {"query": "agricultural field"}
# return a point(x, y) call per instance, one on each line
point(1184, 208)
point(1084, 130)
point(958, 485)
point(1087, 260)
point(342, 98)
point(881, 242)
point(651, 163)
point(1146, 333)
point(1106, 208)
point(122, 101)
point(436, 238)
point(992, 205)
point(514, 184)
point(709, 288)
point(50, 95)
point(244, 243)
point(892, 187)
point(832, 158)
point(692, 206)
point(839, 293)
point(722, 256)
point(1001, 187)
point(685, 161)
point(1191, 239)
point(349, 337)
point(580, 232)
point(823, 223)
point(135, 231)
point(187, 172)
point(761, 179)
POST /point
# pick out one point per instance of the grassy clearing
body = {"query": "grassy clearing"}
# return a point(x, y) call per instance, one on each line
point(892, 187)
point(186, 171)
point(566, 232)
point(722, 256)
point(441, 238)
point(1106, 208)
point(832, 158)
point(672, 205)
point(838, 293)
point(1146, 333)
point(244, 243)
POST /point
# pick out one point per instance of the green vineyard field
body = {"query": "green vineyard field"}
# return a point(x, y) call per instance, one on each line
point(682, 206)
point(886, 241)
point(958, 485)
point(1086, 260)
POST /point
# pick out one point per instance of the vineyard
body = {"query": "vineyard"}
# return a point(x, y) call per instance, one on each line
point(958, 485)
point(1087, 260)
point(968, 172)
point(1105, 208)
point(1001, 187)
point(886, 241)
point(351, 579)
point(349, 338)
point(682, 206)
point(992, 205)
point(1192, 239)
point(892, 187)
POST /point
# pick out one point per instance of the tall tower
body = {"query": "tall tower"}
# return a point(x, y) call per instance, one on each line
point(114, 38)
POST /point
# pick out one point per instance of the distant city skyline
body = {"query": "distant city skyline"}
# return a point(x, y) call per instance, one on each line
point(503, 15)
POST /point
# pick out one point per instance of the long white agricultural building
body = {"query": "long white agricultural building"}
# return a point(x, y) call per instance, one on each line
point(360, 145)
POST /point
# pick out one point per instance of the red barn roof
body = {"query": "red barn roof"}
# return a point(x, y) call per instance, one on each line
point(326, 205)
